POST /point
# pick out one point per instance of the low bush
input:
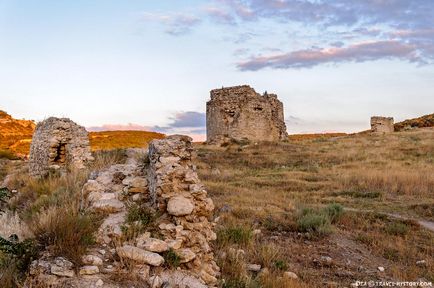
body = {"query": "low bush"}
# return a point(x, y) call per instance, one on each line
point(334, 211)
point(65, 232)
point(235, 235)
point(314, 222)
point(397, 228)
point(171, 259)
point(140, 213)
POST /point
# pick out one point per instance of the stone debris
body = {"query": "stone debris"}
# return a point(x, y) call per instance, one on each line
point(92, 260)
point(290, 275)
point(62, 267)
point(89, 270)
point(240, 113)
point(58, 143)
point(254, 267)
point(139, 255)
point(154, 245)
point(382, 124)
point(180, 206)
point(155, 282)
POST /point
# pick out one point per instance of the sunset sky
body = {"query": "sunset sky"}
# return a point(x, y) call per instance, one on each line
point(150, 64)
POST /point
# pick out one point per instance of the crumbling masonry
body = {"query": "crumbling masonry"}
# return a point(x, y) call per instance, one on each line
point(58, 143)
point(382, 124)
point(176, 191)
point(241, 113)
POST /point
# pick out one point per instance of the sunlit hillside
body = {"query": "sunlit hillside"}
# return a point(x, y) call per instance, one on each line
point(420, 122)
point(107, 140)
point(15, 135)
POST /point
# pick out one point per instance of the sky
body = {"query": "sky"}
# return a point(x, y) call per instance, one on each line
point(150, 65)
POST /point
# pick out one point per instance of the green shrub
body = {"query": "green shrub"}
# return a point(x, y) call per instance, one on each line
point(334, 211)
point(171, 259)
point(281, 265)
point(314, 222)
point(235, 235)
point(140, 213)
point(397, 229)
point(15, 258)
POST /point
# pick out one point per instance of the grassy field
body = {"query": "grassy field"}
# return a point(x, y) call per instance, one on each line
point(324, 197)
point(316, 206)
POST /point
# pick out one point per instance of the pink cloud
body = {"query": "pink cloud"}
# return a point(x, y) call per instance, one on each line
point(360, 52)
point(120, 127)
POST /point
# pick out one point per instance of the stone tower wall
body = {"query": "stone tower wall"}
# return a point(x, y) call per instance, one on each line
point(382, 124)
point(239, 112)
point(58, 143)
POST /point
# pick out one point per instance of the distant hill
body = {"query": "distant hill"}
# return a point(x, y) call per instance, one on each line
point(16, 137)
point(421, 122)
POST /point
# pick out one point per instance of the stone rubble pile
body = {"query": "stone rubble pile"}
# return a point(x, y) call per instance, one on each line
point(167, 183)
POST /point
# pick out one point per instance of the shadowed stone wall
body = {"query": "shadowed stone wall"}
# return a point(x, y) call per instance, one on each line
point(241, 113)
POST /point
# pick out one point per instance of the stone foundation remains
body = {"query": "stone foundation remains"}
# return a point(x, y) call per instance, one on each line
point(382, 124)
point(58, 143)
point(240, 113)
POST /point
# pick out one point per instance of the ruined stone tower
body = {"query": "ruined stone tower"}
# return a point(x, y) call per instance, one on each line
point(382, 124)
point(241, 113)
point(58, 143)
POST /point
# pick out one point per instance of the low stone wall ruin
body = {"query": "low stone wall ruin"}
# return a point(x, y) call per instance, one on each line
point(175, 190)
point(382, 124)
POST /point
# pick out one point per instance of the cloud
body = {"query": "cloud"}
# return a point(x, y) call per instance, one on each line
point(220, 15)
point(188, 119)
point(361, 52)
point(400, 29)
point(398, 13)
point(176, 23)
point(189, 123)
point(120, 127)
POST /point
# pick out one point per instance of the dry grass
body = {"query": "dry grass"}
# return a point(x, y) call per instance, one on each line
point(64, 231)
point(266, 186)
point(10, 223)
point(50, 208)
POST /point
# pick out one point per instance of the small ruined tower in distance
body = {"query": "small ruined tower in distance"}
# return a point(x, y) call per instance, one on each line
point(382, 124)
point(241, 113)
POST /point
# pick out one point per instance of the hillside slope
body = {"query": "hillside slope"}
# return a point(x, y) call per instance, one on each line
point(421, 122)
point(16, 136)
